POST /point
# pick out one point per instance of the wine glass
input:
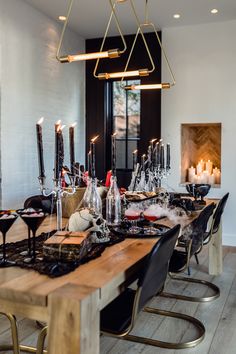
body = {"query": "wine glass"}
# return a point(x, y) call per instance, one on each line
point(7, 219)
point(33, 219)
point(133, 215)
point(151, 215)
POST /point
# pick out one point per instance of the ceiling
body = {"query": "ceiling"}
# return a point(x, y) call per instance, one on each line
point(89, 17)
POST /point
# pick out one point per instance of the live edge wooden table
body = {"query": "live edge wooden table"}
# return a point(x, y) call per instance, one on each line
point(71, 304)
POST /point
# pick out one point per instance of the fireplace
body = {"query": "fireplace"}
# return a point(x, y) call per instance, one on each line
point(201, 153)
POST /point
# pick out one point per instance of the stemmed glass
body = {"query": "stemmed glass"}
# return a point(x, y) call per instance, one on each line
point(7, 219)
point(133, 215)
point(150, 214)
point(33, 220)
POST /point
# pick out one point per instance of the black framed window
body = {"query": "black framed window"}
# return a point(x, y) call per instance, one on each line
point(126, 117)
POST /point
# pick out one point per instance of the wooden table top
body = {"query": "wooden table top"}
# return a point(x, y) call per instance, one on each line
point(117, 264)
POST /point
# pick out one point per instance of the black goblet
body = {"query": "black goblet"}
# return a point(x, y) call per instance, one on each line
point(7, 219)
point(33, 220)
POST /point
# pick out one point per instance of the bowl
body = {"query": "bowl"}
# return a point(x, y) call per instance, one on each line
point(198, 190)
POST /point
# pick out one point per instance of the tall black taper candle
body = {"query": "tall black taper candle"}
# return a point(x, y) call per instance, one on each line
point(40, 148)
point(72, 148)
point(113, 154)
point(56, 161)
point(89, 164)
point(135, 156)
point(92, 148)
point(168, 156)
point(162, 154)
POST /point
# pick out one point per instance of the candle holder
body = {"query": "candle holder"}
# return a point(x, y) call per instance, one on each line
point(58, 192)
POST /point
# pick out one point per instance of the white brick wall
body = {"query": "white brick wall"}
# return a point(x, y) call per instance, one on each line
point(34, 84)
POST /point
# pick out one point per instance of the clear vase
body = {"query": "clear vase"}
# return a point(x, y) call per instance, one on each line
point(92, 199)
point(113, 204)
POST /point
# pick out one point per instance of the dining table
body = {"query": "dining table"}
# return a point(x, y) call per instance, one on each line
point(71, 304)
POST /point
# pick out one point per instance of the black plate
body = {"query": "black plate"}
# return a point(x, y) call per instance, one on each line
point(124, 231)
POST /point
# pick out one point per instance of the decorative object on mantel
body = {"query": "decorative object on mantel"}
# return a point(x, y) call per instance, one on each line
point(111, 53)
point(153, 86)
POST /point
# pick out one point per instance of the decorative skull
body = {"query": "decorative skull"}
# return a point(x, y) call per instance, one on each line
point(163, 196)
point(99, 231)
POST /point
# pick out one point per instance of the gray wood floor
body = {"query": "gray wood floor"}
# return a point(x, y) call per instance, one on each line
point(219, 317)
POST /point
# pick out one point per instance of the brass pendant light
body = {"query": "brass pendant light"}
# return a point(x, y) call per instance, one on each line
point(126, 73)
point(111, 53)
point(157, 86)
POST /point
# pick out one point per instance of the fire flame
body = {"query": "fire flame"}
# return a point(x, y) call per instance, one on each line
point(73, 125)
point(135, 151)
point(94, 139)
point(40, 120)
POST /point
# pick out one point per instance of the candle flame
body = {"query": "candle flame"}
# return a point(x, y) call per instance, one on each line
point(93, 140)
point(62, 127)
point(58, 122)
point(160, 140)
point(40, 121)
point(135, 151)
point(152, 141)
point(73, 125)
point(144, 155)
point(114, 134)
point(89, 153)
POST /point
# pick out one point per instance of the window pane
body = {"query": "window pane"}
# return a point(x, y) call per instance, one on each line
point(120, 153)
point(119, 99)
point(134, 100)
point(120, 126)
point(132, 145)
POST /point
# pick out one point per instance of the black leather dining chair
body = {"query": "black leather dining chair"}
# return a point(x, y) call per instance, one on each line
point(119, 317)
point(192, 242)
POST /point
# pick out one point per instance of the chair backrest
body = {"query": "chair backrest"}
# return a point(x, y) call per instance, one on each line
point(218, 213)
point(198, 227)
point(154, 273)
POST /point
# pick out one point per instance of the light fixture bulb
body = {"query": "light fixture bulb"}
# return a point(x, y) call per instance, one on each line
point(176, 15)
point(123, 74)
point(62, 18)
point(148, 87)
point(214, 11)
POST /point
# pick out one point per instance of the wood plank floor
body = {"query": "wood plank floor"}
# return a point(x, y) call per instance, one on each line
point(219, 317)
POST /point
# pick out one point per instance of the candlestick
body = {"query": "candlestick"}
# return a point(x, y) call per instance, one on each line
point(92, 148)
point(168, 156)
point(135, 156)
point(162, 156)
point(209, 167)
point(191, 174)
point(72, 148)
point(40, 148)
point(113, 154)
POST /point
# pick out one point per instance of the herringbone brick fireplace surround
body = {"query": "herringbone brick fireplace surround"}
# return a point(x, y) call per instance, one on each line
point(201, 151)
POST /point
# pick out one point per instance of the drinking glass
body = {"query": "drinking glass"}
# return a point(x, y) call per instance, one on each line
point(33, 219)
point(151, 215)
point(7, 219)
point(133, 215)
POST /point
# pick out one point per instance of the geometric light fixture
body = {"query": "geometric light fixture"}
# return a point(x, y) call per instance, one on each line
point(154, 86)
point(111, 53)
point(126, 73)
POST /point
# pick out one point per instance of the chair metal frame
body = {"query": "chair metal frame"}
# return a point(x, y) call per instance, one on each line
point(15, 346)
point(154, 342)
point(216, 290)
point(125, 334)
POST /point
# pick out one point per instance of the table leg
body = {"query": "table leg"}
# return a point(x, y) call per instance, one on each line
point(215, 253)
point(74, 326)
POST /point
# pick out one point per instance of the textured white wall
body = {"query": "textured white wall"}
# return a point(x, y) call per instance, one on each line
point(203, 60)
point(34, 84)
